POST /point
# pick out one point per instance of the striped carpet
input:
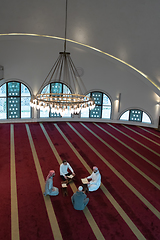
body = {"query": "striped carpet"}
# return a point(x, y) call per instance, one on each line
point(127, 205)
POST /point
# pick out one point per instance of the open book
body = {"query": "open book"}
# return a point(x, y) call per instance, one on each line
point(64, 185)
point(70, 176)
point(84, 180)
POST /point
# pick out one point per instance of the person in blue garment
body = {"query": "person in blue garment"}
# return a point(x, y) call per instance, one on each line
point(49, 189)
point(79, 199)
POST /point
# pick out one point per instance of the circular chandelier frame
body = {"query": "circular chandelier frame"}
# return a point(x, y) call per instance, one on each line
point(62, 102)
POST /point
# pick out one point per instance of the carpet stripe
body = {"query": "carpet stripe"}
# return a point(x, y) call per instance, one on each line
point(144, 200)
point(51, 214)
point(143, 137)
point(125, 217)
point(128, 162)
point(147, 137)
point(144, 158)
point(87, 213)
point(14, 202)
point(150, 132)
point(140, 155)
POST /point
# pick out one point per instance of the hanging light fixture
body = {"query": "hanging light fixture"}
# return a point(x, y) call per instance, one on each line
point(63, 71)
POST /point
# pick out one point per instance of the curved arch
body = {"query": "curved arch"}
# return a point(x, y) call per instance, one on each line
point(61, 82)
point(87, 46)
point(18, 80)
point(130, 112)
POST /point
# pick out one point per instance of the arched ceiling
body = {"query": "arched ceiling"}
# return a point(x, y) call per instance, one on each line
point(126, 29)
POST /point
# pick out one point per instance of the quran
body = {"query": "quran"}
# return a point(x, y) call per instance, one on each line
point(84, 180)
point(64, 185)
point(70, 176)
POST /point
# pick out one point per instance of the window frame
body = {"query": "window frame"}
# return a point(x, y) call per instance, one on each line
point(100, 105)
point(7, 96)
point(135, 109)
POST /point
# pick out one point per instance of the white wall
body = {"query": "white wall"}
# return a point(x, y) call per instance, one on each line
point(29, 59)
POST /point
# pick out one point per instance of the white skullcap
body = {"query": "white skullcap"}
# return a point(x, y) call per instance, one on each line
point(80, 188)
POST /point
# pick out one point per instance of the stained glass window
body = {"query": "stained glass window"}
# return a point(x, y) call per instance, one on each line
point(14, 101)
point(3, 108)
point(136, 116)
point(102, 108)
point(13, 107)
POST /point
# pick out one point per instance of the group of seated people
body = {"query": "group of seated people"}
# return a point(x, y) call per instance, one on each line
point(79, 198)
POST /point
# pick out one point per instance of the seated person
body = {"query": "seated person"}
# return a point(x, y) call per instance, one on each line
point(95, 182)
point(49, 189)
point(64, 170)
point(79, 199)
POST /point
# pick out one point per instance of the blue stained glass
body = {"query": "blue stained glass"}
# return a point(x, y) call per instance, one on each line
point(52, 115)
point(3, 110)
point(97, 96)
point(106, 100)
point(25, 91)
point(96, 112)
point(14, 101)
point(25, 107)
point(13, 107)
point(3, 90)
point(66, 89)
point(44, 113)
point(102, 108)
point(106, 112)
point(46, 89)
point(14, 89)
point(135, 115)
point(56, 87)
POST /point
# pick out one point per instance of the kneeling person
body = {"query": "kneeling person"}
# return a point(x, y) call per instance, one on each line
point(49, 189)
point(95, 182)
point(79, 199)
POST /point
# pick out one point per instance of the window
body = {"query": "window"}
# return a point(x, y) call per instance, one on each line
point(55, 88)
point(14, 101)
point(102, 108)
point(136, 116)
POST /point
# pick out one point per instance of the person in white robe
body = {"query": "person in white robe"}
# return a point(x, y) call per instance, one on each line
point(95, 182)
point(49, 189)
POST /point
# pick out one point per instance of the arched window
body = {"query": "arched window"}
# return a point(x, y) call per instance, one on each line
point(135, 115)
point(14, 101)
point(102, 108)
point(55, 87)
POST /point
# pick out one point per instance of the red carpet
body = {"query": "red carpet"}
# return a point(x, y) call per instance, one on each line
point(5, 203)
point(33, 217)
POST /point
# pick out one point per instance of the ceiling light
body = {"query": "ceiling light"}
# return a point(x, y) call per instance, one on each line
point(63, 71)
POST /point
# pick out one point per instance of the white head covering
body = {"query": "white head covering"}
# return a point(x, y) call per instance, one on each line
point(80, 188)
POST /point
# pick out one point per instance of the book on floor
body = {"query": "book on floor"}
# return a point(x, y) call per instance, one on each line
point(84, 180)
point(70, 176)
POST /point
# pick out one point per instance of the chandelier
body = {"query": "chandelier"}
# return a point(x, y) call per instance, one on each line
point(63, 71)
